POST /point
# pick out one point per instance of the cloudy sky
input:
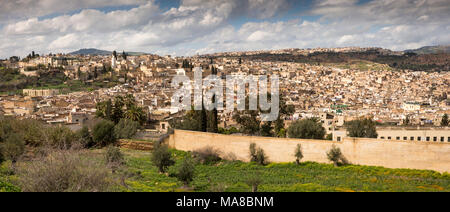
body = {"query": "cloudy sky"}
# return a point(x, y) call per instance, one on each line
point(187, 27)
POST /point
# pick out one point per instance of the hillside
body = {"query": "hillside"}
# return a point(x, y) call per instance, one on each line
point(92, 51)
point(415, 62)
point(431, 50)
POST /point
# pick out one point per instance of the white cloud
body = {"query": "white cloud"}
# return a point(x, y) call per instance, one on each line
point(198, 26)
point(13, 9)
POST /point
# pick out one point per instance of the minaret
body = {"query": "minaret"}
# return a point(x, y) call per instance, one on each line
point(113, 61)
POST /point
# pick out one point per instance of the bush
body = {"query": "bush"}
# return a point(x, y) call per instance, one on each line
point(32, 131)
point(186, 172)
point(114, 158)
point(254, 181)
point(60, 137)
point(282, 133)
point(103, 134)
point(257, 155)
point(207, 155)
point(13, 147)
point(229, 131)
point(298, 154)
point(63, 171)
point(335, 155)
point(306, 129)
point(126, 128)
point(85, 137)
point(162, 158)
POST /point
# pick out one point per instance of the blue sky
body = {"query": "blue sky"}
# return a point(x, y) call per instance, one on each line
point(187, 27)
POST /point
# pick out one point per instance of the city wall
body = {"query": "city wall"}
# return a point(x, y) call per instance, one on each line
point(362, 151)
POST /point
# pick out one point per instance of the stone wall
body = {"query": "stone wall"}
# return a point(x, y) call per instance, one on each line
point(373, 152)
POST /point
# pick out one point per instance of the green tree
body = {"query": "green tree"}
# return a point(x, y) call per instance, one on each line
point(118, 111)
point(444, 121)
point(114, 158)
point(126, 129)
point(85, 137)
point(248, 120)
point(298, 154)
point(95, 72)
point(190, 121)
point(266, 129)
point(285, 110)
point(203, 119)
point(104, 110)
point(60, 137)
point(186, 172)
point(254, 181)
point(161, 157)
point(257, 154)
point(407, 121)
point(335, 155)
point(12, 148)
point(79, 73)
point(103, 133)
point(306, 129)
point(213, 119)
point(136, 114)
point(362, 128)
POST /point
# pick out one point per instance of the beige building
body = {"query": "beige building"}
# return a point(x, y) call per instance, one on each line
point(425, 134)
point(36, 92)
point(411, 106)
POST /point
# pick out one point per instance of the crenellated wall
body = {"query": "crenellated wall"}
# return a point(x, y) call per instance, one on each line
point(362, 151)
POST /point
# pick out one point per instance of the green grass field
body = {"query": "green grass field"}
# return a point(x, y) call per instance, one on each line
point(232, 176)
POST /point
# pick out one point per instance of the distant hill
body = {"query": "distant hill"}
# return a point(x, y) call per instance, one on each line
point(431, 49)
point(92, 51)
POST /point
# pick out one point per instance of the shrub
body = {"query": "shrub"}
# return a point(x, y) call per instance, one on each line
point(306, 129)
point(126, 128)
point(60, 137)
point(335, 155)
point(85, 137)
point(186, 172)
point(12, 148)
point(282, 133)
point(254, 181)
point(257, 155)
point(63, 171)
point(229, 131)
point(6, 186)
point(114, 158)
point(363, 128)
point(161, 157)
point(207, 155)
point(32, 131)
point(298, 154)
point(103, 134)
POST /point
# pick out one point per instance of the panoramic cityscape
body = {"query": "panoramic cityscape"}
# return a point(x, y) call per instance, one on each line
point(225, 96)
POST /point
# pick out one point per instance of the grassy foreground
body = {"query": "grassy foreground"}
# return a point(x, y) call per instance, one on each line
point(233, 176)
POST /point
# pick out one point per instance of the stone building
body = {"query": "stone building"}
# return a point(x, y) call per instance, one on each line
point(37, 92)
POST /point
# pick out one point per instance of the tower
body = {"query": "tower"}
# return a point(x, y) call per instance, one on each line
point(113, 61)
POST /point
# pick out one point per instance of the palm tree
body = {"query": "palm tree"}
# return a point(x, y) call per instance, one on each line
point(135, 113)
